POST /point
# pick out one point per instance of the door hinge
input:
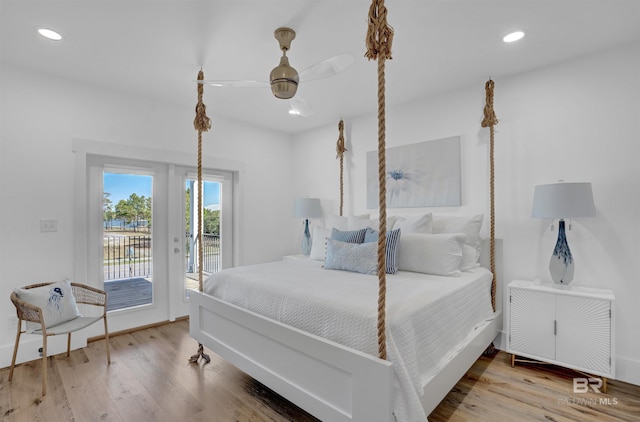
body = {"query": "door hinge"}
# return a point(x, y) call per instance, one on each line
point(509, 298)
point(555, 327)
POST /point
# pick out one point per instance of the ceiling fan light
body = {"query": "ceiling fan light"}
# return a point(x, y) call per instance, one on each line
point(284, 80)
point(284, 89)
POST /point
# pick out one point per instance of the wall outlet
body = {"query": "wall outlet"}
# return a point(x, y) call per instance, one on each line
point(48, 225)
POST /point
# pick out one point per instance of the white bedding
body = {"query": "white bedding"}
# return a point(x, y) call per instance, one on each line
point(428, 317)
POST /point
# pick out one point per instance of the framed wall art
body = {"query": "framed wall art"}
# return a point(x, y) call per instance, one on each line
point(424, 174)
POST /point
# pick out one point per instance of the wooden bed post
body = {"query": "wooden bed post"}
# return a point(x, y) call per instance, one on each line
point(379, 38)
point(201, 123)
point(490, 120)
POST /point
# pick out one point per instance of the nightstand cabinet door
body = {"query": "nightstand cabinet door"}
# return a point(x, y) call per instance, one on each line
point(583, 337)
point(532, 323)
point(572, 326)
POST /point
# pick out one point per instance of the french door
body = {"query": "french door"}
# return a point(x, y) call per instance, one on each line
point(215, 219)
point(142, 238)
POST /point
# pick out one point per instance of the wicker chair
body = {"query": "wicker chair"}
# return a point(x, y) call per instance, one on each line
point(28, 312)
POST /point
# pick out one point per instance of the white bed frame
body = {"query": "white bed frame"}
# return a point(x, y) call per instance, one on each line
point(330, 381)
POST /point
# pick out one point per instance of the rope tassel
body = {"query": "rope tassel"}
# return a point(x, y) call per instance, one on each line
point(490, 118)
point(201, 123)
point(379, 33)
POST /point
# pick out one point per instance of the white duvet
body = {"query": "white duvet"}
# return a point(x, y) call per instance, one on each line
point(429, 318)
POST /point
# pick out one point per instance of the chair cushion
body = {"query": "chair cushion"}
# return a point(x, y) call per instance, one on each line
point(70, 326)
point(56, 301)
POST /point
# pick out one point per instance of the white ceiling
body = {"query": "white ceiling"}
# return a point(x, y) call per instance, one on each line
point(154, 48)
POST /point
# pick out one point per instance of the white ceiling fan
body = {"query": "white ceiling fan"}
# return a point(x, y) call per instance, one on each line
point(284, 79)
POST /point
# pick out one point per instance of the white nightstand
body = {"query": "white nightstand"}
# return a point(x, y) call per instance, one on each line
point(570, 326)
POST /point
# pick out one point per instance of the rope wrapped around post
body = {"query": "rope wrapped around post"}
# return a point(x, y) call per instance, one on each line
point(379, 39)
point(201, 123)
point(490, 120)
point(340, 150)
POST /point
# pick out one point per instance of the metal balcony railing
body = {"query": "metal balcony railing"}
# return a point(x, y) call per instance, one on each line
point(130, 256)
point(211, 253)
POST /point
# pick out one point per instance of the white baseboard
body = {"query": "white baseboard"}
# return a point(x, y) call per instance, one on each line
point(628, 370)
point(500, 341)
point(29, 345)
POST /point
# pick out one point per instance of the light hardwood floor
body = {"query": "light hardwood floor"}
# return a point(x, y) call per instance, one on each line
point(150, 379)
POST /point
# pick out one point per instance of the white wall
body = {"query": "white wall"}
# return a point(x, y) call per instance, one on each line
point(39, 117)
point(577, 121)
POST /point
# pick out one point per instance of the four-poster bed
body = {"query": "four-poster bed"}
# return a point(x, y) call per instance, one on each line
point(290, 345)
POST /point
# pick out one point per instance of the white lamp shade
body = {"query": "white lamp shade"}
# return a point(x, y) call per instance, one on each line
point(307, 208)
point(563, 200)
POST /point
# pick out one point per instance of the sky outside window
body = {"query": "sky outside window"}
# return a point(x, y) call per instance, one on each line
point(121, 186)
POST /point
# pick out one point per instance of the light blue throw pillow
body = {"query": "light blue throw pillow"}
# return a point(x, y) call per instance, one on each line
point(356, 257)
point(353, 236)
point(393, 240)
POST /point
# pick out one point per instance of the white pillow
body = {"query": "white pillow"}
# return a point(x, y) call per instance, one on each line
point(438, 254)
point(356, 257)
point(56, 301)
point(337, 221)
point(359, 222)
point(319, 243)
point(341, 222)
point(414, 224)
point(468, 225)
point(469, 260)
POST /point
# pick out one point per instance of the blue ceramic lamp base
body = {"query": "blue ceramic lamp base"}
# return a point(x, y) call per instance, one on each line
point(561, 264)
point(306, 239)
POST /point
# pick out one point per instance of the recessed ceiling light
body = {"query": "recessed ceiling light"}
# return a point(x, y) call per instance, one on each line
point(514, 36)
point(48, 33)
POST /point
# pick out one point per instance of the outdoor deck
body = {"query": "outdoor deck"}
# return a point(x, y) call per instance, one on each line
point(126, 293)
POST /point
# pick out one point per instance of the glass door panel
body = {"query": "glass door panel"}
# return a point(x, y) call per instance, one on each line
point(127, 239)
point(211, 245)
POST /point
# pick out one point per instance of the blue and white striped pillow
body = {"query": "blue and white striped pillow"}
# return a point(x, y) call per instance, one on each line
point(353, 236)
point(393, 240)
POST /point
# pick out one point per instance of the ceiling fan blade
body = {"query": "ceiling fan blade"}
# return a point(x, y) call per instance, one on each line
point(236, 84)
point(300, 107)
point(327, 67)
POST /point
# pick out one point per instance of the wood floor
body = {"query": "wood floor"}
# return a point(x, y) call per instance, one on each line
point(150, 379)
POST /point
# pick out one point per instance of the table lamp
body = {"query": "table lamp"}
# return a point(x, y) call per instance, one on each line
point(307, 208)
point(562, 200)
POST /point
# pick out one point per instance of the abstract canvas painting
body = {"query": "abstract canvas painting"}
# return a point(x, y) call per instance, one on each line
point(425, 174)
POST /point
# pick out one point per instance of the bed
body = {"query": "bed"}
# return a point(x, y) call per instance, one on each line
point(308, 333)
point(315, 361)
